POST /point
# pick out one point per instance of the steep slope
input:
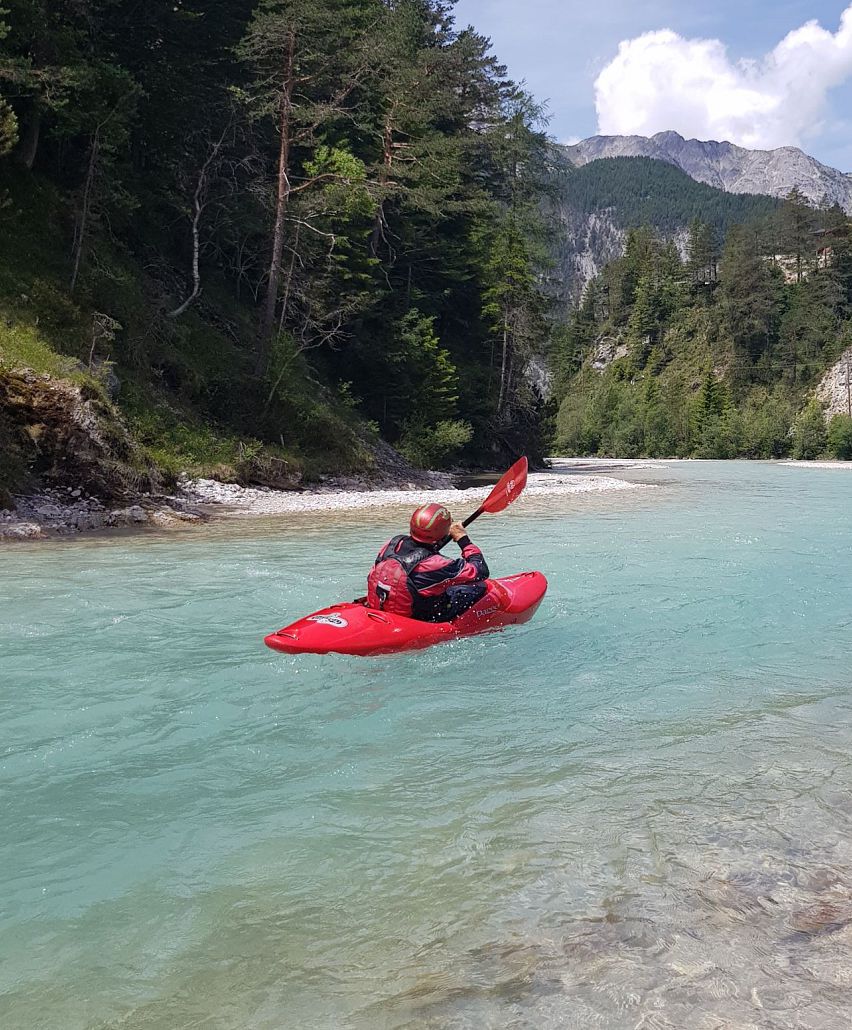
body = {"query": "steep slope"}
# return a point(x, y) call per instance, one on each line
point(120, 405)
point(726, 166)
point(600, 200)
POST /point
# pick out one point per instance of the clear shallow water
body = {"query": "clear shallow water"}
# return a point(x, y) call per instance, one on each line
point(633, 812)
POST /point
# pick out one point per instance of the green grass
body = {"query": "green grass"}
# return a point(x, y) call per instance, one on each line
point(22, 346)
point(178, 440)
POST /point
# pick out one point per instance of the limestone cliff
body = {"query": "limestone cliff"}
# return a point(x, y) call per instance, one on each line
point(835, 387)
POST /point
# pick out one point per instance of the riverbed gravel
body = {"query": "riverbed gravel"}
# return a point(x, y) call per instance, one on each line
point(248, 501)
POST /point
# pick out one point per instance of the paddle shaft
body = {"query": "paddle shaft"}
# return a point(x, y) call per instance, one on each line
point(472, 518)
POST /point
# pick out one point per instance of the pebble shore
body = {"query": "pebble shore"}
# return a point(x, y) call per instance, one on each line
point(819, 464)
point(247, 501)
point(65, 512)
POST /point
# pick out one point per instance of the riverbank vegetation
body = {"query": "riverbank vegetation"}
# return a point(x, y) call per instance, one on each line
point(713, 355)
point(261, 239)
point(269, 233)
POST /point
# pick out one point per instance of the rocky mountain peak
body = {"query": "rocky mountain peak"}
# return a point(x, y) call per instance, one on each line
point(727, 166)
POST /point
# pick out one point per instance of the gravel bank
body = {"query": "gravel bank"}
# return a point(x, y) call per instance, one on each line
point(243, 502)
point(66, 512)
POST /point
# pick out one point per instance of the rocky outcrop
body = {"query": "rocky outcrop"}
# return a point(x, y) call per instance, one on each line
point(607, 350)
point(389, 469)
point(68, 464)
point(585, 244)
point(68, 511)
point(835, 387)
point(726, 166)
point(58, 434)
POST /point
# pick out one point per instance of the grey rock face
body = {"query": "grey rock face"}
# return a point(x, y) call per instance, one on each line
point(607, 350)
point(585, 244)
point(835, 388)
point(726, 166)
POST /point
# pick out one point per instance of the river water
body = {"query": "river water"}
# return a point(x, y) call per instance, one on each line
point(634, 812)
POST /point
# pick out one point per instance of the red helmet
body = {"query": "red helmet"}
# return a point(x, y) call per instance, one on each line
point(430, 523)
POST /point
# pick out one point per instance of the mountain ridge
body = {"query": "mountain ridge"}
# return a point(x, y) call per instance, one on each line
point(726, 166)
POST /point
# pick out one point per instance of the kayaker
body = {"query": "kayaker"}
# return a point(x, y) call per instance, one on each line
point(411, 577)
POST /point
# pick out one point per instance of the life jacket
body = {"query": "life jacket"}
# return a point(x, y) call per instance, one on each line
point(389, 586)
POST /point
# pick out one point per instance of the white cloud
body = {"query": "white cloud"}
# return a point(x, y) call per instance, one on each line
point(662, 81)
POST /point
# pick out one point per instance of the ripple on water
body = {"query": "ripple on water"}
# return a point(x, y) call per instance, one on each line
point(632, 813)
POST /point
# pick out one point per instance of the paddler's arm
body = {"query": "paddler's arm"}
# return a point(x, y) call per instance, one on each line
point(470, 552)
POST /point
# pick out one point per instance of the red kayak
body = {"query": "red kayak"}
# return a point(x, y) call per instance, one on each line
point(356, 629)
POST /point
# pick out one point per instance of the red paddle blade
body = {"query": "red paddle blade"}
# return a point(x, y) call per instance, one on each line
point(509, 488)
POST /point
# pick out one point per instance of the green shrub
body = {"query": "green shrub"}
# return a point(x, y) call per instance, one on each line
point(840, 437)
point(60, 320)
point(8, 128)
point(809, 432)
point(434, 446)
point(767, 421)
point(720, 436)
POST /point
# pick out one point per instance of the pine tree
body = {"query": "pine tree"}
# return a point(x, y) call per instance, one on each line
point(298, 91)
point(701, 251)
point(750, 297)
point(797, 229)
point(8, 129)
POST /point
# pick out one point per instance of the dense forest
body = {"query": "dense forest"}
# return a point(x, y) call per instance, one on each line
point(642, 191)
point(267, 232)
point(713, 355)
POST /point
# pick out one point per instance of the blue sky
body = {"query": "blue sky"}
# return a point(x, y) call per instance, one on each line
point(560, 49)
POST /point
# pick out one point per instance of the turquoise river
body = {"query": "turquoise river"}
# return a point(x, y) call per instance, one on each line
point(633, 812)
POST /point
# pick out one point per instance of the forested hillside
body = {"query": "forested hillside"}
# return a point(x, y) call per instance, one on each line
point(596, 203)
point(714, 356)
point(263, 232)
point(642, 191)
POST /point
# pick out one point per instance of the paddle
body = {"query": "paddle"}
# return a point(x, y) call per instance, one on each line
point(508, 490)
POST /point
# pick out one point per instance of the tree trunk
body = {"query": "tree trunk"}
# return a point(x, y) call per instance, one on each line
point(29, 144)
point(83, 224)
point(286, 302)
point(378, 233)
point(196, 273)
point(198, 205)
point(274, 279)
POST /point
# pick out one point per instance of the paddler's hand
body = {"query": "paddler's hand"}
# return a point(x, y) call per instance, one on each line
point(457, 531)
